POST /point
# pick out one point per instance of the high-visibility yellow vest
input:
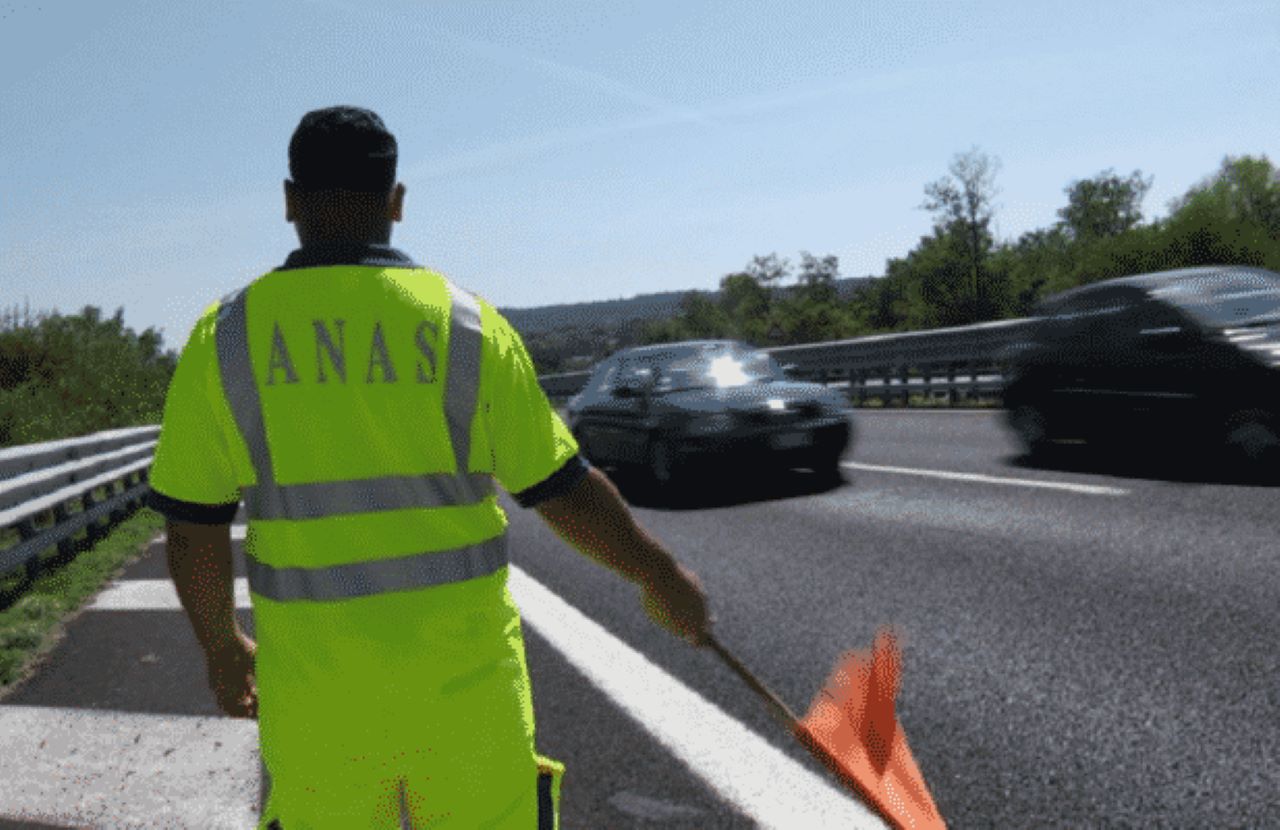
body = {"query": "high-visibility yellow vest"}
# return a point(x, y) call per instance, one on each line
point(362, 407)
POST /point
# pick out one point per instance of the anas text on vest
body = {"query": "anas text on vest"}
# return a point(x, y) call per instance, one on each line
point(331, 354)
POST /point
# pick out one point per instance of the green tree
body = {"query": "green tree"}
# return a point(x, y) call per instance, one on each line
point(703, 317)
point(1105, 205)
point(1244, 189)
point(1231, 217)
point(769, 271)
point(1038, 263)
point(699, 317)
point(936, 282)
point(963, 207)
point(817, 278)
point(62, 376)
point(812, 312)
point(876, 305)
point(746, 303)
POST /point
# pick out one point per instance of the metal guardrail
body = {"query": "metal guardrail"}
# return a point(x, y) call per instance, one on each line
point(42, 479)
point(955, 363)
point(38, 481)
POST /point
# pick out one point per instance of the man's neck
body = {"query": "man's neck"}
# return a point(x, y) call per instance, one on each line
point(309, 240)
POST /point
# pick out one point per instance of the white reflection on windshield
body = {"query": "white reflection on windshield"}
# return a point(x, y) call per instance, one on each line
point(719, 371)
point(725, 371)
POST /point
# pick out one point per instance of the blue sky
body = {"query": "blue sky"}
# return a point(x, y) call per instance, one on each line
point(572, 151)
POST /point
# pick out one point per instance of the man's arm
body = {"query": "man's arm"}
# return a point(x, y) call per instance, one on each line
point(200, 564)
point(594, 519)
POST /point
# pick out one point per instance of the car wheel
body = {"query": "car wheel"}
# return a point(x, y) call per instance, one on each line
point(827, 468)
point(1253, 443)
point(663, 461)
point(1032, 428)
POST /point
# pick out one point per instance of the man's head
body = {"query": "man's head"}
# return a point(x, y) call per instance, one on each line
point(343, 164)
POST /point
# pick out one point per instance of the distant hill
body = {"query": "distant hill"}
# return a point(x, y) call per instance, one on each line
point(604, 314)
point(611, 315)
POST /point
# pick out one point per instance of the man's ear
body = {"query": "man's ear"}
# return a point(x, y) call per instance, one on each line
point(395, 205)
point(289, 211)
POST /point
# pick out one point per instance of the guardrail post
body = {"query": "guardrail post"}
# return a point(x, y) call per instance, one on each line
point(94, 529)
point(134, 480)
point(119, 514)
point(26, 529)
point(65, 546)
point(144, 476)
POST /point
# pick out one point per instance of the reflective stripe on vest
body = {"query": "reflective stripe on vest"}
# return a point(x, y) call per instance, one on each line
point(313, 500)
point(462, 376)
point(319, 499)
point(421, 570)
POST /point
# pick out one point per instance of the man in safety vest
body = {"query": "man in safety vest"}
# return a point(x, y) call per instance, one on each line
point(361, 407)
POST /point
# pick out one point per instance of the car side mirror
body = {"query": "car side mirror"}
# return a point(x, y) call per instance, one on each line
point(635, 386)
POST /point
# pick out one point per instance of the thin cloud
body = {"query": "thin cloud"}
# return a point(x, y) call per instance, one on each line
point(583, 78)
point(507, 152)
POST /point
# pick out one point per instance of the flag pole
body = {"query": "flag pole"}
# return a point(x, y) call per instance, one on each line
point(777, 706)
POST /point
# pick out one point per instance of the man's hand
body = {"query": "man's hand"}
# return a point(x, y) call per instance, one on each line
point(231, 676)
point(678, 603)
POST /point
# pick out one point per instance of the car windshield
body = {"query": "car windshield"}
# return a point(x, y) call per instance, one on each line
point(717, 368)
point(1226, 299)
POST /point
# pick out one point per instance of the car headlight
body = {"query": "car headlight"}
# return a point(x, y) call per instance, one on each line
point(710, 424)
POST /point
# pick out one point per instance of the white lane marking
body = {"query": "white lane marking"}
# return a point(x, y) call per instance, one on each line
point(915, 410)
point(152, 595)
point(748, 771)
point(237, 534)
point(1091, 489)
point(763, 782)
point(87, 768)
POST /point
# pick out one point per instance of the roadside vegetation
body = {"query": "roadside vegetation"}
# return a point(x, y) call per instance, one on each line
point(31, 626)
point(63, 376)
point(68, 375)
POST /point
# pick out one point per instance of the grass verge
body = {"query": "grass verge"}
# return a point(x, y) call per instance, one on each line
point(32, 626)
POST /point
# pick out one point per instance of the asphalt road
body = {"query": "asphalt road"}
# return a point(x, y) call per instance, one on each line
point(1086, 645)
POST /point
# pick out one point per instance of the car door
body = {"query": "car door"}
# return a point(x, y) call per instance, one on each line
point(1092, 380)
point(632, 413)
point(617, 425)
point(1161, 363)
point(588, 411)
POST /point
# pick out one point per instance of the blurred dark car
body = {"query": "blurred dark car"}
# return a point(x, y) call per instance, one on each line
point(719, 402)
point(1184, 362)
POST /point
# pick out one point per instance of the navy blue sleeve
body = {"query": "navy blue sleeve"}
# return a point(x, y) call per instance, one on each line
point(186, 511)
point(557, 484)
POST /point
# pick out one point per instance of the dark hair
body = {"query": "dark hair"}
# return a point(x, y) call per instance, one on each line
point(342, 148)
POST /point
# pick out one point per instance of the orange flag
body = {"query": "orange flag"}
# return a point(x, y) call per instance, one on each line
point(853, 728)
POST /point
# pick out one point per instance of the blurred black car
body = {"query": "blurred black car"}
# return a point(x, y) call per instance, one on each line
point(670, 406)
point(1184, 361)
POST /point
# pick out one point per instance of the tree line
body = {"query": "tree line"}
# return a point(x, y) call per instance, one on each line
point(69, 375)
point(960, 274)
